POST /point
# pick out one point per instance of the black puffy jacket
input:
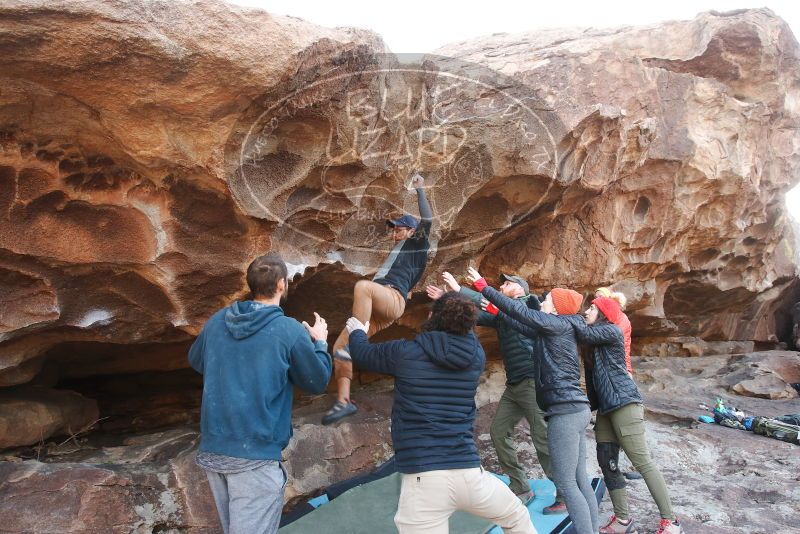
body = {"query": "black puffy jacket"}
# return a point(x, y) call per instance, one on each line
point(558, 371)
point(516, 348)
point(609, 385)
point(436, 376)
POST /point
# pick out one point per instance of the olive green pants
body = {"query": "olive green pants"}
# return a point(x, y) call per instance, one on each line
point(519, 401)
point(625, 427)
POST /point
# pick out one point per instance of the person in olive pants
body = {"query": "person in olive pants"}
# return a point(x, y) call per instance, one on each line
point(519, 398)
point(624, 428)
point(518, 401)
point(620, 419)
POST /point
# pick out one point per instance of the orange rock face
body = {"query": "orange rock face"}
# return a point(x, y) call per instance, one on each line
point(149, 151)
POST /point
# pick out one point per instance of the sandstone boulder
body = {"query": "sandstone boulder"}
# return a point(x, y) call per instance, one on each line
point(138, 181)
point(145, 484)
point(767, 375)
point(32, 414)
point(149, 150)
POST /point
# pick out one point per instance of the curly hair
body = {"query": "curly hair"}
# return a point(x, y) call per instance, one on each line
point(453, 313)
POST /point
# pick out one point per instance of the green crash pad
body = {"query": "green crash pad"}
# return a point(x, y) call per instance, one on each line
point(370, 509)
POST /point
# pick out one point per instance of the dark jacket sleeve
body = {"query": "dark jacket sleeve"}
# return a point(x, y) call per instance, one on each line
point(484, 318)
point(522, 328)
point(598, 334)
point(310, 366)
point(196, 359)
point(540, 321)
point(426, 215)
point(376, 357)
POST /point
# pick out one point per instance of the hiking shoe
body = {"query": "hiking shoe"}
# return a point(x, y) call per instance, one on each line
point(555, 508)
point(525, 497)
point(339, 411)
point(616, 526)
point(669, 527)
point(343, 354)
point(633, 475)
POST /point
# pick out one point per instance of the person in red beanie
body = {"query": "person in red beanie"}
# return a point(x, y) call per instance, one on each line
point(625, 325)
point(558, 390)
point(623, 322)
point(620, 418)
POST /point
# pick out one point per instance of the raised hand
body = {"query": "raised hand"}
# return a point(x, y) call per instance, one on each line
point(489, 307)
point(473, 275)
point(354, 324)
point(417, 181)
point(318, 332)
point(450, 280)
point(477, 280)
point(434, 292)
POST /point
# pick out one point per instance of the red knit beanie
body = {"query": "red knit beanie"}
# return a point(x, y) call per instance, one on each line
point(566, 301)
point(610, 308)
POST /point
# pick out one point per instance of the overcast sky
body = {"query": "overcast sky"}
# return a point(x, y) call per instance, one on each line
point(419, 26)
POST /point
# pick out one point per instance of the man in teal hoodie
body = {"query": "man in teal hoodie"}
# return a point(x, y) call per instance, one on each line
point(251, 355)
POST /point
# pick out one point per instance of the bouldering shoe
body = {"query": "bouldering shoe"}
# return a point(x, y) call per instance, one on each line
point(339, 411)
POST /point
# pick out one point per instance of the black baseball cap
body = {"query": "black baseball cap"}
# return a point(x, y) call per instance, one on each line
point(406, 220)
point(518, 280)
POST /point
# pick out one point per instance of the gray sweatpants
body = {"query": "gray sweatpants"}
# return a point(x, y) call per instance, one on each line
point(566, 438)
point(249, 502)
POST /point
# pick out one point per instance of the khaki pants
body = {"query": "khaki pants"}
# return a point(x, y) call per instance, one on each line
point(518, 401)
point(625, 427)
point(427, 500)
point(380, 305)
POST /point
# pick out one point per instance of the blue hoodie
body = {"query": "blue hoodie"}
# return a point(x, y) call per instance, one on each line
point(433, 416)
point(250, 356)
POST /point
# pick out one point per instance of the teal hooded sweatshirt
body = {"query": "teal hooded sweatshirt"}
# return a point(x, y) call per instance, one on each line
point(251, 355)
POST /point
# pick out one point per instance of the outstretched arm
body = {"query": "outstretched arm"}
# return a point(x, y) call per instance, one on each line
point(484, 318)
point(543, 322)
point(603, 334)
point(513, 308)
point(520, 327)
point(425, 211)
point(376, 357)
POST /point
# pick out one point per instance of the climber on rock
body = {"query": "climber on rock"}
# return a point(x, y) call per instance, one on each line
point(251, 355)
point(382, 300)
point(519, 396)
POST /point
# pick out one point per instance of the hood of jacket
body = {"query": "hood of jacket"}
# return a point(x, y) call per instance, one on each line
point(449, 350)
point(243, 319)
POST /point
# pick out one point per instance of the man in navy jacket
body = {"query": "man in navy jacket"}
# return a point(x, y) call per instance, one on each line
point(433, 418)
point(251, 355)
